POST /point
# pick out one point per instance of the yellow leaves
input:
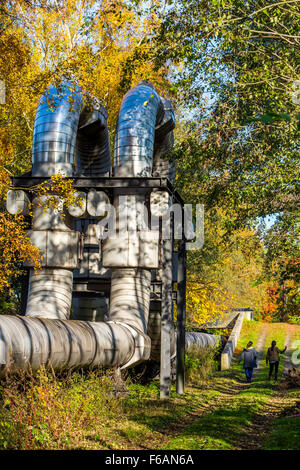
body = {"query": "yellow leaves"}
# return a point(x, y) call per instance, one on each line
point(6, 161)
point(94, 45)
point(58, 185)
point(205, 302)
point(15, 248)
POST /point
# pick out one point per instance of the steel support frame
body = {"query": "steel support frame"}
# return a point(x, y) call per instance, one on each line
point(181, 316)
point(109, 184)
point(166, 315)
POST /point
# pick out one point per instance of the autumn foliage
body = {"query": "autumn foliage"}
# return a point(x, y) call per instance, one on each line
point(206, 302)
point(15, 248)
point(270, 306)
point(102, 47)
point(239, 172)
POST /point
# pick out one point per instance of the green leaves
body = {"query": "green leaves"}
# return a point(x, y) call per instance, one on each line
point(270, 117)
point(229, 159)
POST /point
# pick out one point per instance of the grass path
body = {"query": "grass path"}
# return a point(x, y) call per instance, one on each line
point(248, 417)
point(260, 350)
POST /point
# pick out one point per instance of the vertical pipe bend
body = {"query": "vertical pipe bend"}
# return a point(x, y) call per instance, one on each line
point(144, 126)
point(141, 110)
point(92, 143)
point(69, 135)
point(50, 293)
point(164, 141)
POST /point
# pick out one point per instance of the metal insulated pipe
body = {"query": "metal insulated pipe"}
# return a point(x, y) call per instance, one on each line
point(143, 123)
point(50, 293)
point(141, 111)
point(130, 297)
point(50, 289)
point(92, 144)
point(164, 140)
point(134, 142)
point(201, 340)
point(31, 342)
point(55, 128)
point(122, 341)
point(68, 131)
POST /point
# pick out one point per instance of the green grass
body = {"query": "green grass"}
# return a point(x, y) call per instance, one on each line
point(230, 425)
point(227, 427)
point(284, 434)
point(42, 411)
point(285, 431)
point(250, 332)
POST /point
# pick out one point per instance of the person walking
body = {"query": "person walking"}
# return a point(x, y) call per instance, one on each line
point(249, 357)
point(272, 358)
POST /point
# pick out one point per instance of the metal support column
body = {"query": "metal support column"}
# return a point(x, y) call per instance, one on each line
point(181, 295)
point(24, 278)
point(166, 313)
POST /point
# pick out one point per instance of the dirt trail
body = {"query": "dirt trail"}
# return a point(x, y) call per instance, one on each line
point(287, 358)
point(276, 406)
point(257, 433)
point(260, 350)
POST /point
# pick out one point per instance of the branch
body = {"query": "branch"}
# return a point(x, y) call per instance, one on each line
point(276, 34)
point(274, 5)
point(250, 15)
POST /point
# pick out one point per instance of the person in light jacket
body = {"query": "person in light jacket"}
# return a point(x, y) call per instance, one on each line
point(249, 357)
point(273, 359)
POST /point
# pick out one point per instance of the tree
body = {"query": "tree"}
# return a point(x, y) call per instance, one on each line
point(236, 73)
point(241, 57)
point(281, 265)
point(96, 44)
point(226, 274)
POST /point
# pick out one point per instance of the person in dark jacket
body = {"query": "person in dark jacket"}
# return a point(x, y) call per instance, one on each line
point(249, 357)
point(273, 359)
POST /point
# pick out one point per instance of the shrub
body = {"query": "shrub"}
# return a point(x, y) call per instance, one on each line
point(200, 363)
point(45, 411)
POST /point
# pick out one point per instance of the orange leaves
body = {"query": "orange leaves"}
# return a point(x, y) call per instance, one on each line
point(15, 248)
point(270, 305)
